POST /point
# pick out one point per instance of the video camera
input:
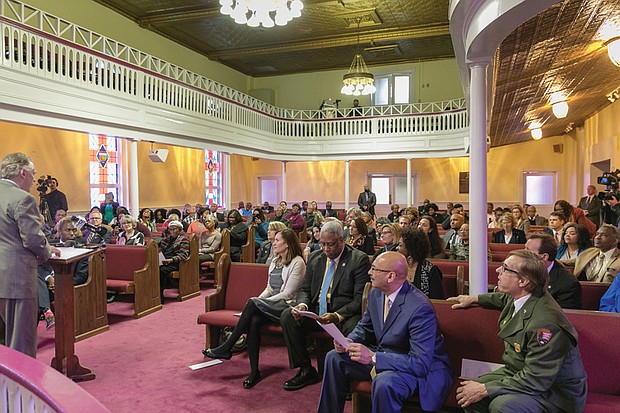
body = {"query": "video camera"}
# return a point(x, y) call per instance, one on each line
point(42, 184)
point(610, 180)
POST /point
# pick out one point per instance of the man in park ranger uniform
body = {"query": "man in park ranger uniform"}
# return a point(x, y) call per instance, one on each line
point(543, 371)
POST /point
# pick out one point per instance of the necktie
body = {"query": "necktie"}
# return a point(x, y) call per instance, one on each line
point(386, 308)
point(325, 287)
point(597, 267)
point(557, 237)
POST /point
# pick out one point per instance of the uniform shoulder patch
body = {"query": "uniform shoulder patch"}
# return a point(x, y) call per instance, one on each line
point(543, 336)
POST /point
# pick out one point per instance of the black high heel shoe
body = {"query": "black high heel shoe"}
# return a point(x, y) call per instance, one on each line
point(252, 381)
point(212, 354)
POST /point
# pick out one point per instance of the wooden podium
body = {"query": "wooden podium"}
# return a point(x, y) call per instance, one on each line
point(65, 360)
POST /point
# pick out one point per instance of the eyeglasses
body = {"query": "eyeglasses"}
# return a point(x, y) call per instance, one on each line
point(504, 268)
point(375, 269)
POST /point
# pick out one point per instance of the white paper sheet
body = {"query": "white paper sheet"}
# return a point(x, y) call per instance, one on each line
point(472, 369)
point(337, 335)
point(308, 314)
point(161, 257)
point(205, 364)
point(71, 252)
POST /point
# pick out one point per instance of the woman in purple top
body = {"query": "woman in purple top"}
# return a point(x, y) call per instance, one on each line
point(295, 218)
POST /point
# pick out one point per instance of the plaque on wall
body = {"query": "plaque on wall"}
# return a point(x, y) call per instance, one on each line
point(463, 182)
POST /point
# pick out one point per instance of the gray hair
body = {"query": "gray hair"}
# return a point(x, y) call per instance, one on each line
point(13, 163)
point(356, 212)
point(611, 228)
point(129, 218)
point(333, 227)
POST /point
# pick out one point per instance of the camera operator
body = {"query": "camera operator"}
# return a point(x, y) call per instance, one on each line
point(611, 212)
point(55, 199)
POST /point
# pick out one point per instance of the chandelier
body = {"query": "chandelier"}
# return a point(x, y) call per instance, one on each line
point(262, 12)
point(358, 80)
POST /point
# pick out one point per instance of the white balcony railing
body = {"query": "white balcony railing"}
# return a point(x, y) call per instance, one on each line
point(37, 44)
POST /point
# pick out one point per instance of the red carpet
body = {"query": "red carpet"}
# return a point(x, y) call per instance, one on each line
point(142, 366)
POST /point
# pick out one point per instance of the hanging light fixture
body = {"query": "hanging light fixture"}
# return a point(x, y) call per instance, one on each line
point(613, 50)
point(559, 106)
point(255, 13)
point(358, 80)
point(535, 130)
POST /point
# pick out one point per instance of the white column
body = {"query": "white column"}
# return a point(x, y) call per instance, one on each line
point(134, 190)
point(409, 188)
point(227, 181)
point(478, 261)
point(283, 181)
point(346, 185)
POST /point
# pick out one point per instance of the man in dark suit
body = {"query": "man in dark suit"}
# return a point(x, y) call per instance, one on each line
point(367, 200)
point(22, 241)
point(328, 211)
point(563, 285)
point(383, 347)
point(332, 288)
point(591, 205)
point(219, 216)
point(534, 218)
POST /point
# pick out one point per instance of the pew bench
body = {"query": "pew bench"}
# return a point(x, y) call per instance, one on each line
point(133, 269)
point(472, 334)
point(189, 272)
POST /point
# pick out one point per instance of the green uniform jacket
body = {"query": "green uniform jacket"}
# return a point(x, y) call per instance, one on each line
point(541, 355)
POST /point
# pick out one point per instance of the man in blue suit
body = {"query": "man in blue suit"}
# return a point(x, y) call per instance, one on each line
point(397, 344)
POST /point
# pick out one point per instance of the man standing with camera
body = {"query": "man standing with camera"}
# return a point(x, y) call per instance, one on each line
point(21, 242)
point(55, 199)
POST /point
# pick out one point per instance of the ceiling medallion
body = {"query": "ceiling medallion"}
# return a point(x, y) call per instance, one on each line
point(255, 13)
point(358, 80)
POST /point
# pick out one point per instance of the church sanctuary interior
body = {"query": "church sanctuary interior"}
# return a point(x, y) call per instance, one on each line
point(169, 102)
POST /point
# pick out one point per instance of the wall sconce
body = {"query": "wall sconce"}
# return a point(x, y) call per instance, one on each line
point(613, 50)
point(559, 105)
point(535, 130)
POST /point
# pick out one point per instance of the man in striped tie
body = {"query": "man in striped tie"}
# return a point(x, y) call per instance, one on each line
point(383, 349)
point(332, 288)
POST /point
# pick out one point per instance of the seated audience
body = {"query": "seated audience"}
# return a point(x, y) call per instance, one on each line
point(337, 303)
point(458, 209)
point(358, 237)
point(563, 285)
point(265, 254)
point(295, 218)
point(433, 212)
point(370, 225)
point(534, 218)
point(304, 208)
point(395, 214)
point(542, 371)
point(423, 209)
point(610, 301)
point(210, 239)
point(522, 222)
point(498, 212)
point(172, 216)
point(218, 216)
point(129, 235)
point(390, 236)
point(286, 273)
point(175, 248)
point(266, 208)
point(575, 238)
point(575, 215)
point(146, 218)
point(246, 212)
point(68, 237)
point(102, 234)
point(189, 215)
point(198, 226)
point(260, 227)
point(313, 217)
point(314, 243)
point(556, 225)
point(329, 211)
point(397, 345)
point(509, 234)
point(415, 246)
point(404, 222)
point(160, 215)
point(279, 216)
point(116, 223)
point(460, 250)
point(428, 225)
point(238, 234)
point(414, 216)
point(451, 237)
point(601, 263)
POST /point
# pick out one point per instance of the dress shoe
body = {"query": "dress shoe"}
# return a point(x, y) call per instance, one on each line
point(214, 355)
point(252, 380)
point(305, 377)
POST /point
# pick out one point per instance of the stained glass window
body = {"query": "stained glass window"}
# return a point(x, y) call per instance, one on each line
point(104, 166)
point(213, 177)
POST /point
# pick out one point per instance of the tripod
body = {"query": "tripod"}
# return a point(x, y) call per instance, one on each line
point(45, 210)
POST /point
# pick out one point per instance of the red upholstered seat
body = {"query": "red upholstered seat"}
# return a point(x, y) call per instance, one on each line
point(123, 260)
point(120, 285)
point(602, 403)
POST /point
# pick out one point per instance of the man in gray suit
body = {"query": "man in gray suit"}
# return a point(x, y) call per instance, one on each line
point(21, 242)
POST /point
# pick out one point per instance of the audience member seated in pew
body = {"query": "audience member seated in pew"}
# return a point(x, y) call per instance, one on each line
point(601, 263)
point(522, 222)
point(610, 301)
point(129, 235)
point(147, 218)
point(563, 285)
point(460, 250)
point(383, 348)
point(238, 234)
point(390, 236)
point(68, 237)
point(429, 226)
point(314, 243)
point(574, 214)
point(509, 234)
point(574, 240)
point(265, 253)
point(175, 248)
point(198, 226)
point(425, 275)
point(210, 239)
point(543, 369)
point(160, 215)
point(359, 238)
point(286, 273)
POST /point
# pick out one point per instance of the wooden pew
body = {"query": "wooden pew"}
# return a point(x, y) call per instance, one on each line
point(90, 305)
point(248, 251)
point(188, 274)
point(591, 293)
point(500, 252)
point(133, 269)
point(224, 249)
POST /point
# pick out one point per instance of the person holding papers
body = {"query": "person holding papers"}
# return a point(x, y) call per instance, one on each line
point(286, 272)
point(333, 289)
point(397, 344)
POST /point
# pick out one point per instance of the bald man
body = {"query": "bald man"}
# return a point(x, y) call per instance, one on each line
point(397, 342)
